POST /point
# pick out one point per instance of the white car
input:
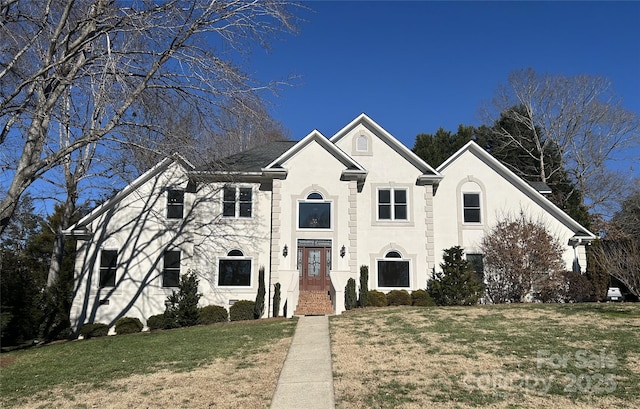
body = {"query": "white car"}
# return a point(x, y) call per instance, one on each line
point(614, 294)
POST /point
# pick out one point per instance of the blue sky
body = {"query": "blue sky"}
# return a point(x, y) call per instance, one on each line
point(416, 66)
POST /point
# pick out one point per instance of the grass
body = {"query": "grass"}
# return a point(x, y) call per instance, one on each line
point(533, 355)
point(97, 363)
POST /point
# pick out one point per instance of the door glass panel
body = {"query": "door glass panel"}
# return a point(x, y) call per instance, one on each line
point(313, 263)
point(328, 266)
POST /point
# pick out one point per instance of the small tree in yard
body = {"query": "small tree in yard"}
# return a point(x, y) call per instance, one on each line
point(259, 308)
point(276, 299)
point(456, 284)
point(521, 257)
point(363, 301)
point(350, 300)
point(182, 307)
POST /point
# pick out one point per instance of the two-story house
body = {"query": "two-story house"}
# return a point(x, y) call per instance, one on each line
point(309, 212)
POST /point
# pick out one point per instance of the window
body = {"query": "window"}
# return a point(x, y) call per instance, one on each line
point(171, 269)
point(175, 204)
point(362, 144)
point(314, 213)
point(477, 264)
point(471, 207)
point(237, 201)
point(234, 270)
point(393, 271)
point(108, 263)
point(392, 204)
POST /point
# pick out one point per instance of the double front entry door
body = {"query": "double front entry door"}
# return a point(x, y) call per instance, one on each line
point(314, 264)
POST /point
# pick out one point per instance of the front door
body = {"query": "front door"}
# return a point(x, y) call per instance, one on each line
point(314, 264)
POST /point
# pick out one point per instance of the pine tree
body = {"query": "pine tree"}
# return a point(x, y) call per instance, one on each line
point(455, 284)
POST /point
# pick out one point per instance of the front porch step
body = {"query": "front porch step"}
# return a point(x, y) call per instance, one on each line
point(314, 303)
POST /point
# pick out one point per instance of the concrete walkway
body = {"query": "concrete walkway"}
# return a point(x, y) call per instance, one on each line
point(306, 380)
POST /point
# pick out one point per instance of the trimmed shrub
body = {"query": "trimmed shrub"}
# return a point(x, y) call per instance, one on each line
point(242, 310)
point(420, 298)
point(128, 325)
point(94, 330)
point(377, 298)
point(363, 301)
point(350, 300)
point(276, 299)
point(155, 322)
point(212, 314)
point(398, 297)
point(259, 307)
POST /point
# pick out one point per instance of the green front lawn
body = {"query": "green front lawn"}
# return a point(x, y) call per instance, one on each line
point(98, 361)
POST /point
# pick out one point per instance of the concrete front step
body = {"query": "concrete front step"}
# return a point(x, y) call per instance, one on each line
point(314, 303)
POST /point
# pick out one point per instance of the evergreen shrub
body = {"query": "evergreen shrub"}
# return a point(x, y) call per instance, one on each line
point(94, 330)
point(363, 300)
point(377, 298)
point(350, 300)
point(276, 299)
point(421, 298)
point(128, 325)
point(398, 297)
point(242, 310)
point(155, 322)
point(212, 314)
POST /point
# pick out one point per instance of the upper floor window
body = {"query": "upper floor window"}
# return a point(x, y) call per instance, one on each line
point(175, 204)
point(314, 212)
point(171, 269)
point(362, 143)
point(471, 207)
point(108, 263)
point(393, 271)
point(234, 270)
point(237, 201)
point(392, 204)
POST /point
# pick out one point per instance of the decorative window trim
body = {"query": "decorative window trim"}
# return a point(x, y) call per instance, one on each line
point(240, 206)
point(394, 256)
point(393, 206)
point(477, 208)
point(237, 256)
point(318, 199)
point(357, 147)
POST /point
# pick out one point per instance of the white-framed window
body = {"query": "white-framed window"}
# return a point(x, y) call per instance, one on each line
point(234, 270)
point(237, 201)
point(175, 204)
point(108, 268)
point(171, 268)
point(314, 212)
point(393, 271)
point(392, 204)
point(471, 208)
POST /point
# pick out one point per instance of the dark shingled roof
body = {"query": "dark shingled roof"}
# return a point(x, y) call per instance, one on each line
point(251, 160)
point(539, 186)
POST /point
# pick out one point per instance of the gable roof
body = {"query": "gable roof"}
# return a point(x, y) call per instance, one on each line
point(352, 168)
point(428, 172)
point(581, 233)
point(78, 227)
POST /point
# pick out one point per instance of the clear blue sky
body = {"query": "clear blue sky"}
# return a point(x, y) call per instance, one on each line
point(416, 66)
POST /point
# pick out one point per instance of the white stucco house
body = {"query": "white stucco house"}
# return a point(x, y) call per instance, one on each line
point(310, 212)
